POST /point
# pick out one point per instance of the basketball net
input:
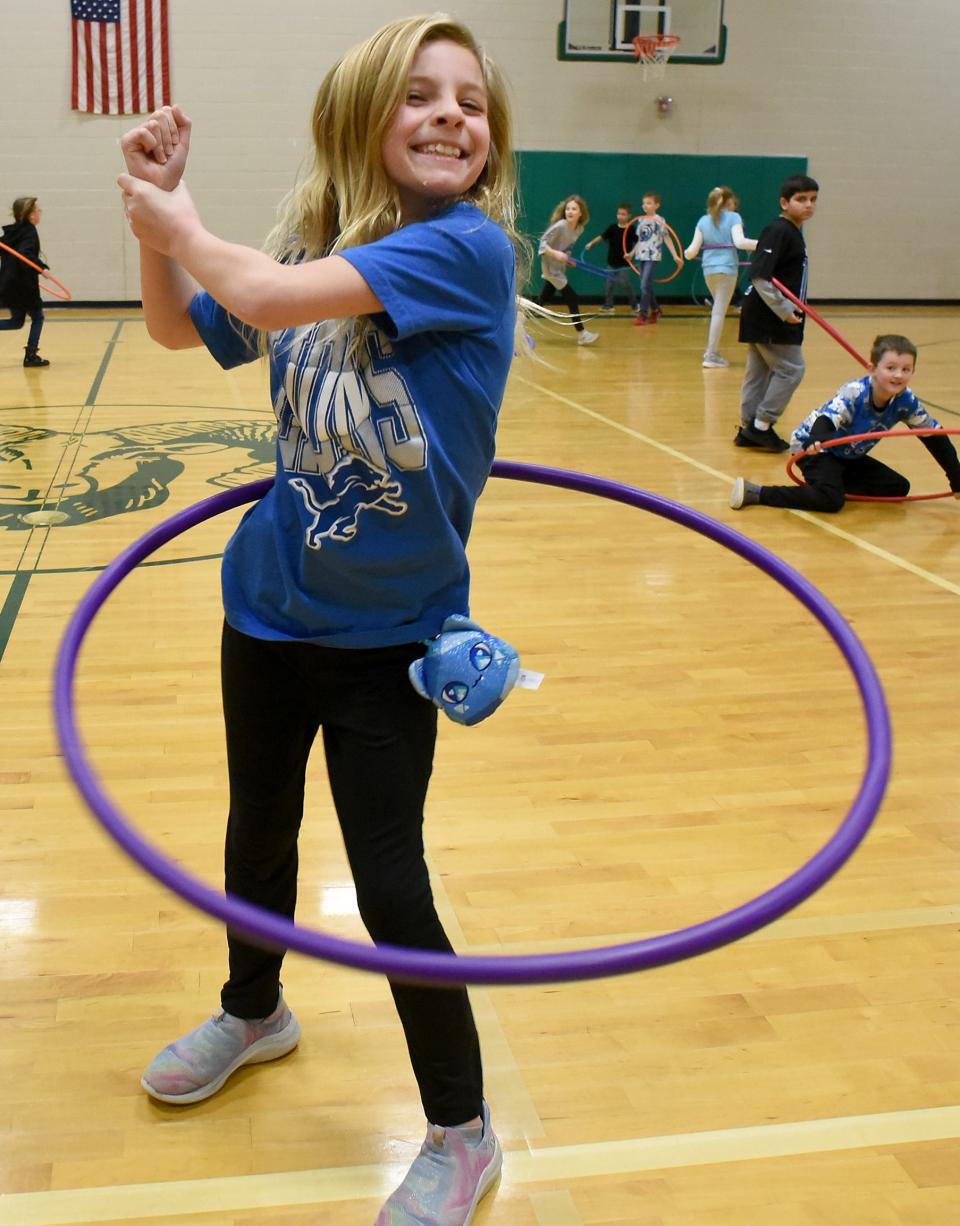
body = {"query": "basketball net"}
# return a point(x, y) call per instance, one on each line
point(653, 51)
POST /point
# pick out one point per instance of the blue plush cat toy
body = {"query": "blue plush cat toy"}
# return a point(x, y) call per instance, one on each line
point(466, 672)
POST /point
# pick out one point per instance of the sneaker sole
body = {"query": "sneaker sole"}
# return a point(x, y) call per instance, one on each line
point(270, 1047)
point(491, 1173)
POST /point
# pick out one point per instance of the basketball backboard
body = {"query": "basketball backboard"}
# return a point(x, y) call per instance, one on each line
point(605, 29)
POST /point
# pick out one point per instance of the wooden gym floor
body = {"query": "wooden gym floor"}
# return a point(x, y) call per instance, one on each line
point(696, 739)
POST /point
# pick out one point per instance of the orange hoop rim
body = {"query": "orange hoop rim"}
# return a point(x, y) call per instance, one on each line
point(878, 434)
point(645, 46)
point(66, 296)
point(674, 246)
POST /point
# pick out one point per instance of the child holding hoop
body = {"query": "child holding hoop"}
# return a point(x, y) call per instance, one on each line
point(719, 234)
point(878, 401)
point(618, 240)
point(647, 254)
point(567, 222)
point(387, 305)
point(770, 325)
point(19, 283)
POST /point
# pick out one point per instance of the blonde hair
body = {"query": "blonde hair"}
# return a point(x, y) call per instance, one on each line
point(558, 212)
point(23, 206)
point(346, 198)
point(719, 197)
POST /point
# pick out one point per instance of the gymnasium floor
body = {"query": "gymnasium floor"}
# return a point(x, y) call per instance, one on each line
point(696, 739)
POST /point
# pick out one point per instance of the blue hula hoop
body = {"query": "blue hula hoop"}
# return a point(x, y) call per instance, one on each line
point(444, 969)
point(608, 274)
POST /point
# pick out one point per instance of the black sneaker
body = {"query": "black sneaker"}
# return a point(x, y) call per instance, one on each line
point(32, 358)
point(760, 440)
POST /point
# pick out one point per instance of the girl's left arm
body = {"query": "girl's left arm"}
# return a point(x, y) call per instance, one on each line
point(249, 284)
point(740, 241)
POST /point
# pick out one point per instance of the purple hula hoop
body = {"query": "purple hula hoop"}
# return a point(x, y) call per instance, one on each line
point(420, 966)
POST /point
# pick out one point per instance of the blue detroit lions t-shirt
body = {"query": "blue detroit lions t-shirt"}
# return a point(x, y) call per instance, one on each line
point(381, 456)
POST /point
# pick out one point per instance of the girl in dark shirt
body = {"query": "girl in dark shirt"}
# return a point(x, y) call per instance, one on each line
point(19, 283)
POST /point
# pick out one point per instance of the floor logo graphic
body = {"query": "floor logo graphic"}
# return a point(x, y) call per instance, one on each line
point(99, 474)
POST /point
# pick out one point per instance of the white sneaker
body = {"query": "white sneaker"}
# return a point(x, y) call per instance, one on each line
point(714, 361)
point(605, 310)
point(744, 494)
point(587, 338)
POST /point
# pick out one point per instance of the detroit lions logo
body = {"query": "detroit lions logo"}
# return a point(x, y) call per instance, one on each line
point(355, 486)
point(124, 470)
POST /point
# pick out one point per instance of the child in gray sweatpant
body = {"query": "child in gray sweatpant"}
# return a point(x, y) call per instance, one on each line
point(770, 324)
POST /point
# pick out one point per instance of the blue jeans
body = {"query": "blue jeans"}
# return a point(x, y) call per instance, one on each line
point(648, 297)
point(623, 281)
point(17, 320)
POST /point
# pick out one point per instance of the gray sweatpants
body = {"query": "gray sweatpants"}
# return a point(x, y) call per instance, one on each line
point(772, 376)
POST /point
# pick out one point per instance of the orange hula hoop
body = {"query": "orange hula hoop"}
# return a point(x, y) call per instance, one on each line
point(66, 296)
point(856, 438)
point(673, 245)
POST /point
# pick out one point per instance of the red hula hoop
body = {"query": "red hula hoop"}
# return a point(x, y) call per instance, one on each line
point(675, 251)
point(818, 319)
point(856, 438)
point(66, 296)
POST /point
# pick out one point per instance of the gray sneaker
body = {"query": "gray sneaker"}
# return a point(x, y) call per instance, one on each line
point(744, 494)
point(196, 1066)
point(452, 1173)
point(587, 337)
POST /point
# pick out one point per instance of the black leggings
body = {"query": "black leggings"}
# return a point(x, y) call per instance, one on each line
point(378, 737)
point(828, 481)
point(550, 291)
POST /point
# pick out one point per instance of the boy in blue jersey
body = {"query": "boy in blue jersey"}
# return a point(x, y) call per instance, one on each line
point(877, 402)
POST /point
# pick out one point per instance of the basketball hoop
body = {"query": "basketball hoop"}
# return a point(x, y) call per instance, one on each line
point(653, 51)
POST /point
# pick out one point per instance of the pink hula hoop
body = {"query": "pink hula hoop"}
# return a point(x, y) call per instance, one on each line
point(856, 438)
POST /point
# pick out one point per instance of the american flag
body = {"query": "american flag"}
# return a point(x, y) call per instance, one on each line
point(121, 56)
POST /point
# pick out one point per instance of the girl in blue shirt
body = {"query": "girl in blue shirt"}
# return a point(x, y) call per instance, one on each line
point(386, 303)
point(719, 234)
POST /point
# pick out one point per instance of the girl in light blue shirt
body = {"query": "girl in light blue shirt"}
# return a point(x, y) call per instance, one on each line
point(719, 235)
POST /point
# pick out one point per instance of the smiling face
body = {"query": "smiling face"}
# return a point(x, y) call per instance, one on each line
point(890, 376)
point(438, 140)
point(572, 212)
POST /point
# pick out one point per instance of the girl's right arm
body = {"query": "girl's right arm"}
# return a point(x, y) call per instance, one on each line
point(546, 249)
point(156, 152)
point(167, 290)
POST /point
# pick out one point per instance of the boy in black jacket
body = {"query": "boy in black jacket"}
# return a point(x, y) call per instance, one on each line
point(769, 322)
